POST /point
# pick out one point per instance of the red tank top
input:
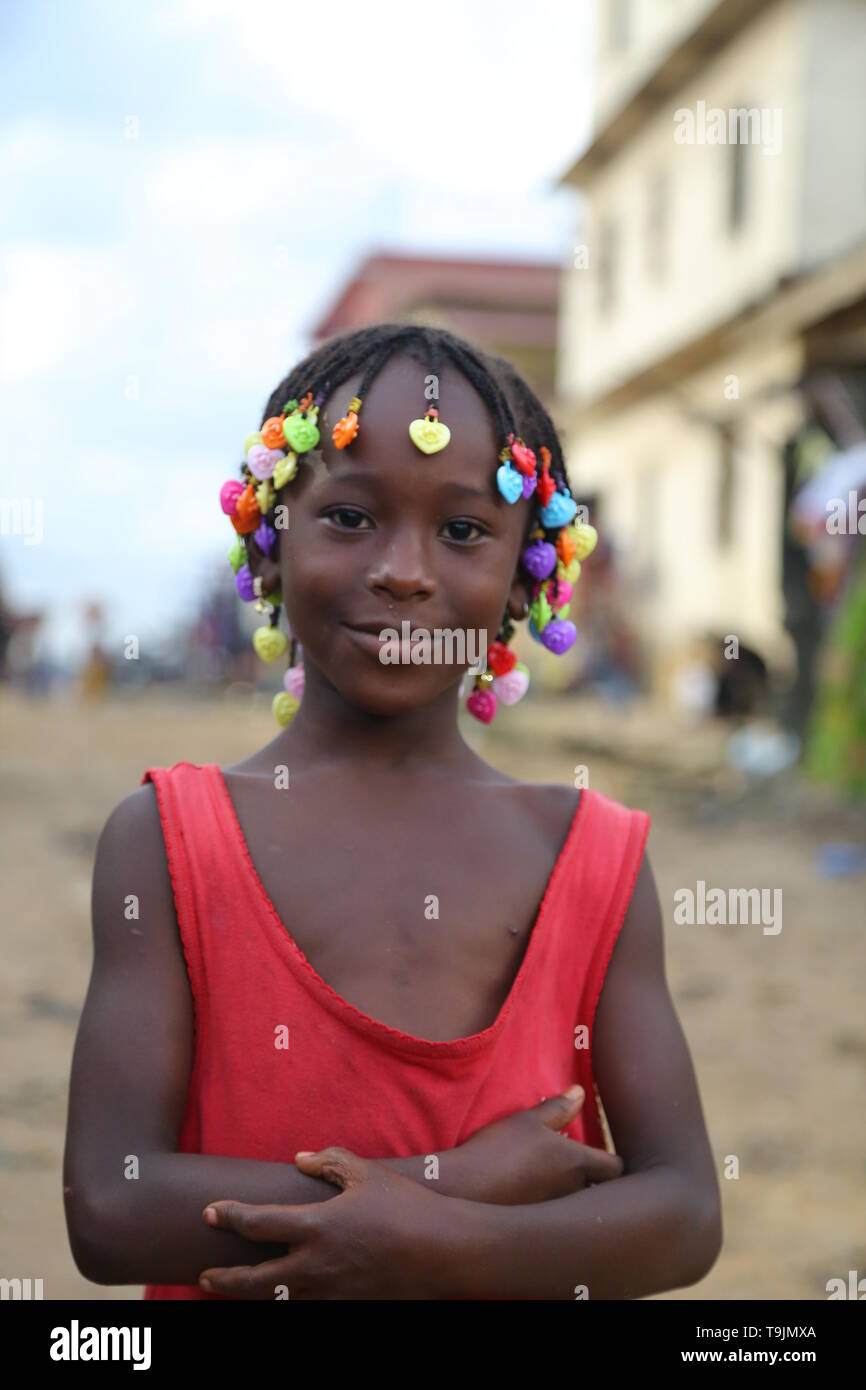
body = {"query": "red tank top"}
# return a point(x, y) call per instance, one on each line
point(249, 978)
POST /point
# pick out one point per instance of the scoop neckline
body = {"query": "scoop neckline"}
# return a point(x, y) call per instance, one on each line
point(337, 1004)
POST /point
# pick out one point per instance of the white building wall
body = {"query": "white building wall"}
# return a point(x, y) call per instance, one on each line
point(712, 271)
point(832, 213)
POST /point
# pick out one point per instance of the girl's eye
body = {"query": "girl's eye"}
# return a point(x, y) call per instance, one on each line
point(471, 524)
point(353, 515)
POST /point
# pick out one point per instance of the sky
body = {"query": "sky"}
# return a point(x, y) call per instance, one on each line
point(185, 187)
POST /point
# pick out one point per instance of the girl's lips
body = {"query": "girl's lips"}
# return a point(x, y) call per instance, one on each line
point(373, 642)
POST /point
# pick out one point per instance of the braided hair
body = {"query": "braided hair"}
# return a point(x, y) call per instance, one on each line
point(513, 407)
point(523, 428)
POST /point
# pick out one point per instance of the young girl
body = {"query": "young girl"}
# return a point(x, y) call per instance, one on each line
point(348, 1044)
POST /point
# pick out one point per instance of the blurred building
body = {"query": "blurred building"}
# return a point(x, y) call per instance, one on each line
point(507, 307)
point(720, 259)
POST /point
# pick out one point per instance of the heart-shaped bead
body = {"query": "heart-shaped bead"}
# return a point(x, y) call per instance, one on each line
point(559, 510)
point(251, 439)
point(558, 636)
point(429, 435)
point(482, 704)
point(509, 482)
point(229, 494)
point(571, 571)
point(513, 685)
point(529, 485)
point(269, 643)
point(293, 681)
point(285, 707)
point(539, 559)
point(585, 539)
point(500, 658)
point(285, 471)
point(523, 457)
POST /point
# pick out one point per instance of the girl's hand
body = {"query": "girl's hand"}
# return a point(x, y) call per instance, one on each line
point(380, 1238)
point(524, 1158)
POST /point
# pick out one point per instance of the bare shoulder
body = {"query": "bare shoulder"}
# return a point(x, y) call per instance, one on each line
point(131, 866)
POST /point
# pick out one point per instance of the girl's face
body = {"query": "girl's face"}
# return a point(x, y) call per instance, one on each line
point(382, 533)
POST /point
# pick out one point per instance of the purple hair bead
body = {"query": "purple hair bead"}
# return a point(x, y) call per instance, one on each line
point(244, 584)
point(559, 635)
point(539, 559)
point(529, 485)
point(265, 537)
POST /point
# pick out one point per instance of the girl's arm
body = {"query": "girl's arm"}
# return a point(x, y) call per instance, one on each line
point(133, 1204)
point(657, 1227)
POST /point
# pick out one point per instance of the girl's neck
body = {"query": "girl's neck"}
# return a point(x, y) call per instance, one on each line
point(328, 729)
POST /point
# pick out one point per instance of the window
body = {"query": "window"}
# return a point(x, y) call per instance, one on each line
point(607, 258)
point(618, 25)
point(725, 500)
point(738, 154)
point(658, 225)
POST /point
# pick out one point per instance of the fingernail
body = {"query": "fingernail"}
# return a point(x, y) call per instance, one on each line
point(305, 1153)
point(206, 1285)
point(574, 1092)
point(210, 1214)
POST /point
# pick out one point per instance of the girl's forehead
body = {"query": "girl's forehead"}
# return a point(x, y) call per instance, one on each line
point(402, 391)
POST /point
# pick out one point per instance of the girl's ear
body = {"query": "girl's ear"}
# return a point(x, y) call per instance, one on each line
point(519, 595)
point(264, 567)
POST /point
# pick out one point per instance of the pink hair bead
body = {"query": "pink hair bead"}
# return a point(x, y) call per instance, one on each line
point(229, 494)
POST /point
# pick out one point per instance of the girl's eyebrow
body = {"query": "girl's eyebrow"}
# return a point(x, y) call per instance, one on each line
point(370, 480)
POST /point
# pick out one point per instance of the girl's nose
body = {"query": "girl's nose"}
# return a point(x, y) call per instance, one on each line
point(403, 566)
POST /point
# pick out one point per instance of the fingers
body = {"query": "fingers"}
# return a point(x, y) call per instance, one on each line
point(276, 1224)
point(559, 1111)
point(263, 1281)
point(339, 1166)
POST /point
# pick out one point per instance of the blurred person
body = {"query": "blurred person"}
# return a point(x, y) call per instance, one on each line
point(360, 1038)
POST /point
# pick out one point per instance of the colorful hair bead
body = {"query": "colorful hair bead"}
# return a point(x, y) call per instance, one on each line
point(512, 686)
point(539, 559)
point(482, 704)
point(246, 516)
point(509, 482)
point(558, 636)
point(523, 457)
point(558, 511)
point(347, 427)
point(272, 432)
point(262, 461)
point(229, 494)
point(244, 584)
point(265, 538)
point(300, 429)
point(429, 435)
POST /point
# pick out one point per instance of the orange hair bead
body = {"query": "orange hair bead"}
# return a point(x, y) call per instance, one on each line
point(565, 548)
point(345, 430)
point(272, 433)
point(247, 515)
